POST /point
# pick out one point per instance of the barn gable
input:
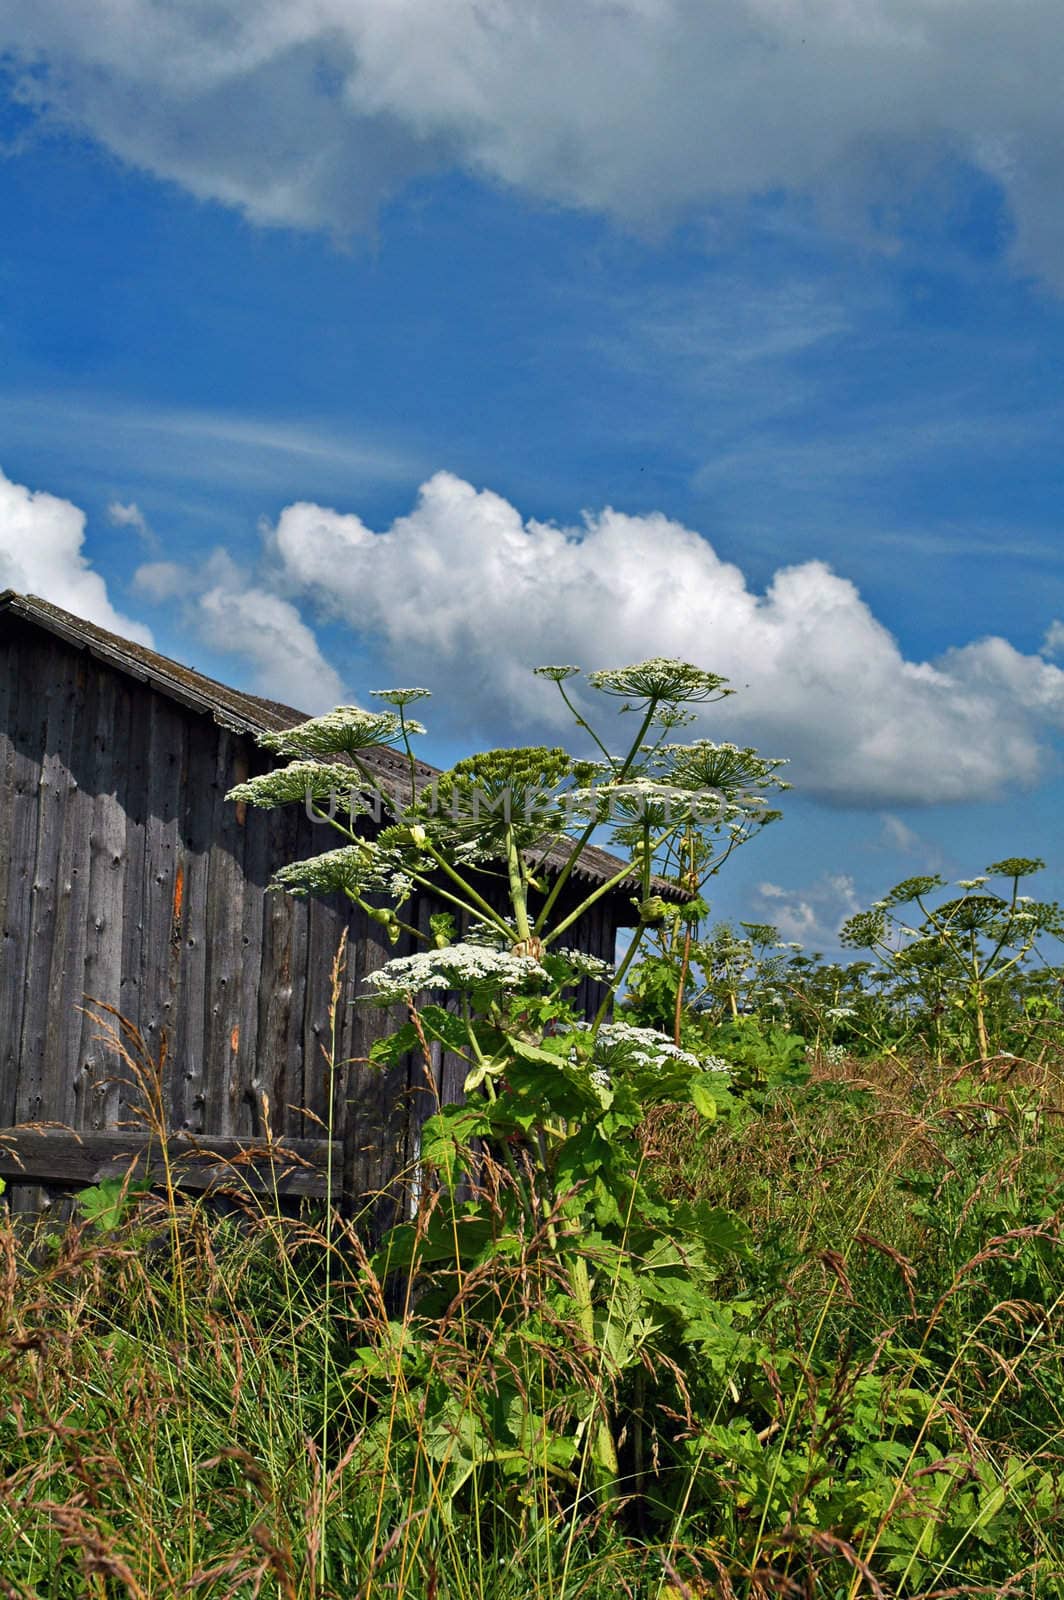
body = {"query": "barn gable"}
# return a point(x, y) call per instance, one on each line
point(127, 877)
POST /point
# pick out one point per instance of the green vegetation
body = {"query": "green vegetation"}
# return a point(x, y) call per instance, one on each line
point(751, 1288)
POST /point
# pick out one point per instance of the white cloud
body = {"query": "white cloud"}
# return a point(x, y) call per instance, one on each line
point(233, 615)
point(812, 915)
point(130, 516)
point(310, 111)
point(160, 580)
point(41, 553)
point(465, 595)
point(1053, 643)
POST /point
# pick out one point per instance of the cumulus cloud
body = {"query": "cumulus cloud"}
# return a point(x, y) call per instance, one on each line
point(41, 553)
point(308, 112)
point(464, 594)
point(1053, 643)
point(812, 916)
point(232, 615)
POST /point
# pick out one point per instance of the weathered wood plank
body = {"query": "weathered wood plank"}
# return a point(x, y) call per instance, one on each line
point(324, 928)
point(8, 689)
point(62, 1156)
point(186, 1088)
point(276, 975)
point(377, 1110)
point(28, 719)
point(167, 744)
point(225, 901)
point(107, 874)
point(251, 1082)
point(299, 842)
point(122, 1098)
point(67, 978)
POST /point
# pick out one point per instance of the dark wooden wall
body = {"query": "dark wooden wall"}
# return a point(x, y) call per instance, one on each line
point(126, 877)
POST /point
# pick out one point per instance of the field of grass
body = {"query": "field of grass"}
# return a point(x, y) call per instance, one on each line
point(870, 1403)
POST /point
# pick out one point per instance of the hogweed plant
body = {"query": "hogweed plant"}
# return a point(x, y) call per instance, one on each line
point(541, 1164)
point(953, 961)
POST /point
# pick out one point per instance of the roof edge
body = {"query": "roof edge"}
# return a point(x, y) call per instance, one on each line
point(250, 715)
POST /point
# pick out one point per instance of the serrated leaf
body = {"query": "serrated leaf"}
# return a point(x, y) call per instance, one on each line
point(389, 1051)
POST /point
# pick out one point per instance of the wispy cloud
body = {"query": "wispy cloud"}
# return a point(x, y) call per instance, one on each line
point(131, 516)
point(219, 447)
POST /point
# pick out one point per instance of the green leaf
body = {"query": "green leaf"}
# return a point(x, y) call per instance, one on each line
point(703, 1099)
point(446, 1137)
point(720, 1232)
point(389, 1051)
point(446, 1026)
point(107, 1203)
point(455, 1239)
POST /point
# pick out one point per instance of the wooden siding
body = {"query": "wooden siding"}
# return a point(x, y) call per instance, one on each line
point(126, 878)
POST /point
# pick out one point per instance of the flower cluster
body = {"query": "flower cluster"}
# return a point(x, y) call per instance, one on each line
point(660, 678)
point(622, 1043)
point(400, 697)
point(642, 796)
point(331, 781)
point(731, 768)
point(832, 1055)
point(585, 966)
point(354, 869)
point(464, 966)
point(556, 674)
point(346, 730)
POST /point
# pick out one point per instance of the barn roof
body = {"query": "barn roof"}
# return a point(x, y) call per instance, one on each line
point(251, 714)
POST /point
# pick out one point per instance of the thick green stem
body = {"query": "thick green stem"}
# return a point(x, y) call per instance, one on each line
point(677, 1018)
point(473, 898)
point(604, 889)
point(585, 837)
point(608, 997)
point(518, 888)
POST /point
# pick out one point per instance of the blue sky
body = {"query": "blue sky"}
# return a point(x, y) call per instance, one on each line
point(329, 335)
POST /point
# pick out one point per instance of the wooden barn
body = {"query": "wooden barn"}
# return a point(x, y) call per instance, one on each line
point(126, 877)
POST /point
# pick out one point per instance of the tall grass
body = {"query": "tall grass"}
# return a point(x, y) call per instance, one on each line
point(241, 1404)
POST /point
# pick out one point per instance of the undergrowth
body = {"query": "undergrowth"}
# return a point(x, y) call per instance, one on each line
point(248, 1404)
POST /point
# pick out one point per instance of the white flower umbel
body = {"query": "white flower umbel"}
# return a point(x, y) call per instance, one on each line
point(588, 966)
point(344, 731)
point(354, 869)
point(349, 870)
point(733, 769)
point(556, 674)
point(400, 697)
point(458, 967)
point(660, 678)
point(648, 797)
point(643, 1047)
point(327, 782)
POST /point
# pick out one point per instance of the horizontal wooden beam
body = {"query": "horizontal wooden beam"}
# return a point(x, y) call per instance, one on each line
point(41, 1154)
